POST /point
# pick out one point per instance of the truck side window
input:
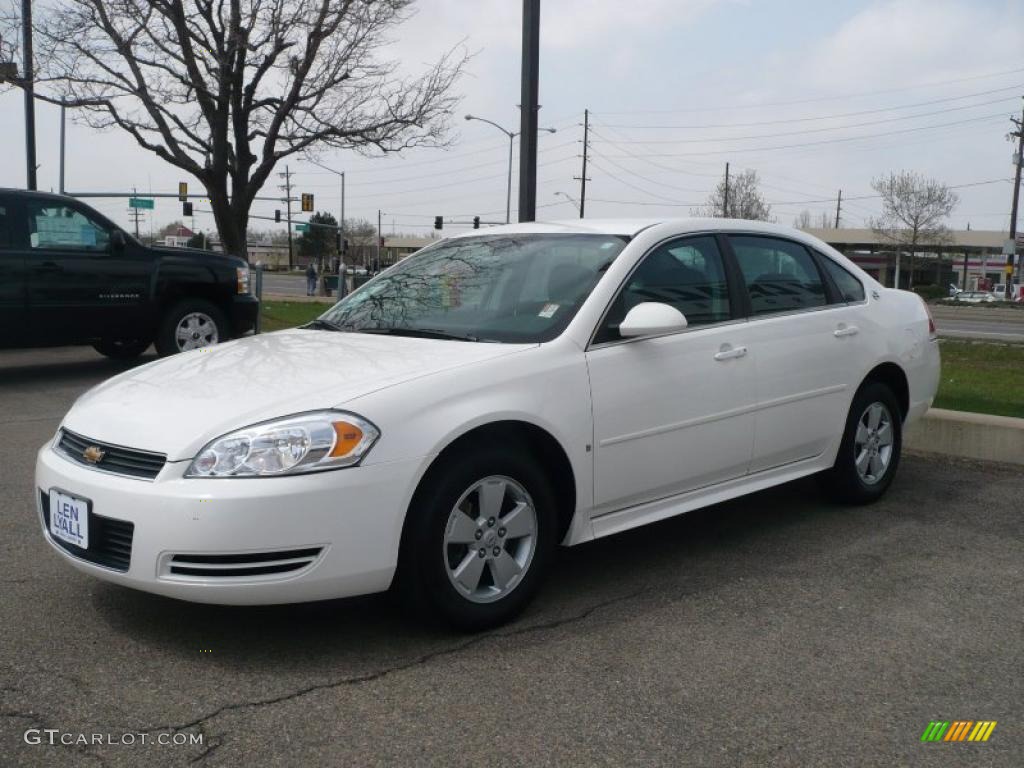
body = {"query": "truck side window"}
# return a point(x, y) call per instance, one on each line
point(56, 226)
point(6, 227)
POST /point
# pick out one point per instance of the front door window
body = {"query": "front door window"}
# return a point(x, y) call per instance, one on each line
point(56, 226)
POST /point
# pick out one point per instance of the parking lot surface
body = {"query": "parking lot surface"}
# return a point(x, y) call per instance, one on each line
point(775, 630)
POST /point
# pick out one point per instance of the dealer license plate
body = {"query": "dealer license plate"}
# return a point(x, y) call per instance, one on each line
point(69, 519)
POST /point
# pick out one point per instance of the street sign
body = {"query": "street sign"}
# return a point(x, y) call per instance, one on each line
point(183, 191)
point(140, 202)
point(302, 227)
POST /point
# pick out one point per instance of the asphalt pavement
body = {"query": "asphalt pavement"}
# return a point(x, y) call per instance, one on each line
point(775, 630)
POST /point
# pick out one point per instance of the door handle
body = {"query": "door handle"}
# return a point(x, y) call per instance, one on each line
point(845, 330)
point(731, 353)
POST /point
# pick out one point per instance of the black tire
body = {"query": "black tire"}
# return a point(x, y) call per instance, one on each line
point(423, 582)
point(121, 349)
point(844, 482)
point(166, 337)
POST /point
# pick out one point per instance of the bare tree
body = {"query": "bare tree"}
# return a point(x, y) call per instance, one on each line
point(744, 199)
point(914, 209)
point(803, 221)
point(226, 90)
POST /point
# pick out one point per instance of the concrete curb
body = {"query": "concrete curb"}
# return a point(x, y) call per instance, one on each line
point(300, 299)
point(968, 435)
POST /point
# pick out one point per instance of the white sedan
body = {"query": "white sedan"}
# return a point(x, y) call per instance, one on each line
point(447, 425)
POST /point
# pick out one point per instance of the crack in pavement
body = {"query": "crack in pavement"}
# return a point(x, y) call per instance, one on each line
point(385, 672)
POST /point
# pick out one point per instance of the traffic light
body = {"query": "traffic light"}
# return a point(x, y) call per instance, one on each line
point(277, 217)
point(307, 202)
point(344, 246)
point(439, 222)
point(476, 222)
point(186, 209)
point(183, 192)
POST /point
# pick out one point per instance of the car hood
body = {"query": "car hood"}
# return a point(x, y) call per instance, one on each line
point(178, 404)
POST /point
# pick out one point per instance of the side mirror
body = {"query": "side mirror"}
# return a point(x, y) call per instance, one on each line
point(651, 318)
point(117, 241)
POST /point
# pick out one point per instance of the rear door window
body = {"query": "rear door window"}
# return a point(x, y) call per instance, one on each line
point(780, 275)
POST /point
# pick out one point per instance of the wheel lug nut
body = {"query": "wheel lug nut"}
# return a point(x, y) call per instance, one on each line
point(490, 521)
point(479, 534)
point(501, 531)
point(496, 551)
point(483, 552)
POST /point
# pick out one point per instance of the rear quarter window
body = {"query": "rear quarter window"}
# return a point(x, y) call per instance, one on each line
point(850, 287)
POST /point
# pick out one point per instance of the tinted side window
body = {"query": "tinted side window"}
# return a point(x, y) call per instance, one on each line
point(780, 275)
point(688, 274)
point(850, 288)
point(54, 225)
point(6, 226)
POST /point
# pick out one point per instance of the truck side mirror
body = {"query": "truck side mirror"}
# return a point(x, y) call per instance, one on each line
point(117, 241)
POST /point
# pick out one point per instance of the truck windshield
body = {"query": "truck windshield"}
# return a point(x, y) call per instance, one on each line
point(522, 288)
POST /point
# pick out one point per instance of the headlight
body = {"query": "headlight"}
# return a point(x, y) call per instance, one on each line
point(307, 442)
point(242, 275)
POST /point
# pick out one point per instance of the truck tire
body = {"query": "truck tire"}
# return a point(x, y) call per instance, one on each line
point(121, 349)
point(190, 324)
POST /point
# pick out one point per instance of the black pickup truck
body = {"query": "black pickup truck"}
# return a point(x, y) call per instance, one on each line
point(68, 275)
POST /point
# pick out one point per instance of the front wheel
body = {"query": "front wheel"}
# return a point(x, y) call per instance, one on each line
point(870, 450)
point(190, 324)
point(480, 535)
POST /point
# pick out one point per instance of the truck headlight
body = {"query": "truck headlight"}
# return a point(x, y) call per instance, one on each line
point(306, 442)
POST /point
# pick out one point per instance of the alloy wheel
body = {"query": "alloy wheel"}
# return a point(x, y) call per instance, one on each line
point(873, 443)
point(490, 539)
point(195, 330)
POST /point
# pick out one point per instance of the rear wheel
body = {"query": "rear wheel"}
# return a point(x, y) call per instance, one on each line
point(871, 446)
point(480, 535)
point(191, 324)
point(121, 349)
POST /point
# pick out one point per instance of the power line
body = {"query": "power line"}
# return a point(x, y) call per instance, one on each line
point(835, 97)
point(816, 130)
point(837, 116)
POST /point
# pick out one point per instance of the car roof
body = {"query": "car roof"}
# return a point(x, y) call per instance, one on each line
point(631, 227)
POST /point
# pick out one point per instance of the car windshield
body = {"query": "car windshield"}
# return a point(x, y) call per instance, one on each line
point(522, 288)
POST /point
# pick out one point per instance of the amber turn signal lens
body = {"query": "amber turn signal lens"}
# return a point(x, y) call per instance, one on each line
point(347, 438)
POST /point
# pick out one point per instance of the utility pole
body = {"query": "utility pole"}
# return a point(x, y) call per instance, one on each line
point(528, 111)
point(135, 214)
point(28, 85)
point(1019, 160)
point(582, 178)
point(839, 207)
point(287, 175)
point(377, 259)
point(61, 188)
point(725, 198)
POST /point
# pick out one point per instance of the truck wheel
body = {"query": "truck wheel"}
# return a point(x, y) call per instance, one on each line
point(190, 324)
point(121, 349)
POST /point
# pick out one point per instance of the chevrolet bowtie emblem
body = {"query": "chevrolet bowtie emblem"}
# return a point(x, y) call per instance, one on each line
point(93, 454)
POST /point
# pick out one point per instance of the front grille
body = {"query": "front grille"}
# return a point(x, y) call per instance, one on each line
point(243, 564)
point(110, 541)
point(116, 459)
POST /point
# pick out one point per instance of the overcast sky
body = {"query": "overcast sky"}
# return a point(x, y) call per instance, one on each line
point(814, 96)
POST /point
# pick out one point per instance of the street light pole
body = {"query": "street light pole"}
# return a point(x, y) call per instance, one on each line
point(28, 84)
point(511, 139)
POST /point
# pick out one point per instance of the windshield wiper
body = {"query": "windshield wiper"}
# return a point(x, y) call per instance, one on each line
point(422, 333)
point(318, 324)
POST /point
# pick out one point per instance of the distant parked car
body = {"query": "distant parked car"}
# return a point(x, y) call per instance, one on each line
point(974, 297)
point(999, 292)
point(953, 290)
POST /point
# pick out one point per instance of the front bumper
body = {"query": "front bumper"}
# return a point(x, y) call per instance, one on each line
point(242, 312)
point(349, 519)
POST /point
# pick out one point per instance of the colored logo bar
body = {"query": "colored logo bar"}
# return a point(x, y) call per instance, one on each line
point(958, 730)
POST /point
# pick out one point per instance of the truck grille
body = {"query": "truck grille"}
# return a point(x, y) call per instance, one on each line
point(242, 564)
point(114, 458)
point(110, 540)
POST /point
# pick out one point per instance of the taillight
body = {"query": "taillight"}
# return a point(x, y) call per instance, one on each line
point(932, 333)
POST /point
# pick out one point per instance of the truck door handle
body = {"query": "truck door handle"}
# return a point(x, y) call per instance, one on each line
point(730, 353)
point(845, 330)
point(49, 266)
